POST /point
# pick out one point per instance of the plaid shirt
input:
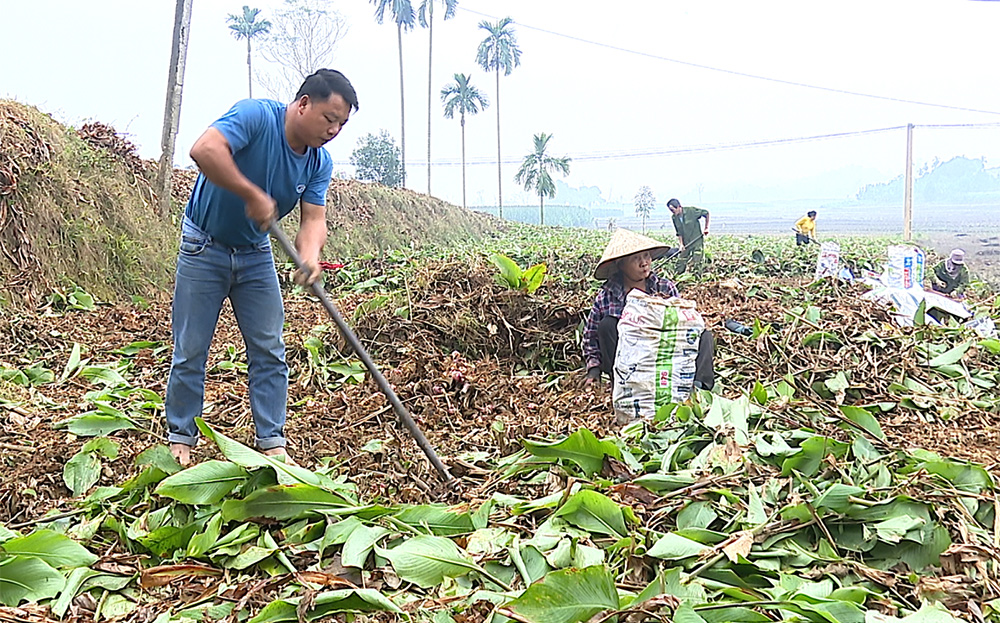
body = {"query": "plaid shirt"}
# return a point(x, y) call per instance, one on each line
point(610, 302)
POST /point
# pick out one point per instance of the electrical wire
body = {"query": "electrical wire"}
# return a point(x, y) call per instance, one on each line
point(624, 154)
point(737, 73)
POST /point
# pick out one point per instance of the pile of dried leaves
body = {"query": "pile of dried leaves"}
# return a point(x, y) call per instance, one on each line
point(795, 494)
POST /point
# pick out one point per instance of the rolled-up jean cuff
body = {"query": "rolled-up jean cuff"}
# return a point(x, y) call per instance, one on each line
point(184, 439)
point(270, 443)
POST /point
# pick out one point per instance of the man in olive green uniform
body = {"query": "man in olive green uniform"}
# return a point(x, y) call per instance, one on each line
point(690, 234)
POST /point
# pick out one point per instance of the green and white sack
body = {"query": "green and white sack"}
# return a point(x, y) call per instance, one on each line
point(657, 354)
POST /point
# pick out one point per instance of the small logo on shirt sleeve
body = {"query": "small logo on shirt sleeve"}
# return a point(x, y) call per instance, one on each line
point(301, 188)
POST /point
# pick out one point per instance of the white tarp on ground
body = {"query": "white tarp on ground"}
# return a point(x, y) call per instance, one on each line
point(657, 354)
point(900, 287)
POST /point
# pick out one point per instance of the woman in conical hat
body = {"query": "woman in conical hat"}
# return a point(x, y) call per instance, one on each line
point(627, 263)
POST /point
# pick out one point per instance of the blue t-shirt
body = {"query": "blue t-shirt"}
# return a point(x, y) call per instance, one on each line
point(255, 130)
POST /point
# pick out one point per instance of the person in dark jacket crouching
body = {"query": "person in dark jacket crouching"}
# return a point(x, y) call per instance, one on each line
point(627, 264)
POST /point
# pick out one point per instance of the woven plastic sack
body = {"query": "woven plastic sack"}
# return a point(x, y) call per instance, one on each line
point(906, 267)
point(657, 354)
point(828, 262)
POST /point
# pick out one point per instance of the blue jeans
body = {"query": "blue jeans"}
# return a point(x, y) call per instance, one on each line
point(207, 273)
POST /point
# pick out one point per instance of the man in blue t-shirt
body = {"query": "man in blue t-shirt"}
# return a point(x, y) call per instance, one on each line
point(257, 162)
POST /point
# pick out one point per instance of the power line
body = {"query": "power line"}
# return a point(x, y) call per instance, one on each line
point(623, 154)
point(738, 73)
point(668, 151)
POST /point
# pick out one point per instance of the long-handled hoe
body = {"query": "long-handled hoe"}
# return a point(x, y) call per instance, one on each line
point(352, 339)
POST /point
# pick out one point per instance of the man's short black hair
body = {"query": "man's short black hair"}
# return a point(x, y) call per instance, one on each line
point(324, 83)
point(673, 203)
point(811, 213)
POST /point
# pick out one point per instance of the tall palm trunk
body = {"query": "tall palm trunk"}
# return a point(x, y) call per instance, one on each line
point(430, 57)
point(463, 159)
point(402, 114)
point(172, 110)
point(249, 73)
point(499, 170)
point(541, 209)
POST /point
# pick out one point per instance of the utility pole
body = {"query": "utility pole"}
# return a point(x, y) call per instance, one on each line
point(172, 110)
point(908, 199)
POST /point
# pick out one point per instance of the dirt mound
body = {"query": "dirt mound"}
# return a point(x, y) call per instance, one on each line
point(75, 215)
point(78, 208)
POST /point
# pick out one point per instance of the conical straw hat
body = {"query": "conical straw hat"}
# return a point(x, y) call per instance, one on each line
point(624, 243)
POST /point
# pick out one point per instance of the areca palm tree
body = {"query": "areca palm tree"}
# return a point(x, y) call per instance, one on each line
point(247, 26)
point(404, 18)
point(535, 175)
point(462, 96)
point(426, 17)
point(499, 51)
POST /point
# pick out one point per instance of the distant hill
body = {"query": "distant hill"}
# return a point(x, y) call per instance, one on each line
point(957, 181)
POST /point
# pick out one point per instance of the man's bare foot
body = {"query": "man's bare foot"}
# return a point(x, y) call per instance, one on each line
point(280, 453)
point(181, 452)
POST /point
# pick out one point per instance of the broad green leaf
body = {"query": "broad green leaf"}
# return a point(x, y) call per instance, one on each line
point(733, 615)
point(756, 514)
point(72, 364)
point(658, 483)
point(582, 448)
point(6, 534)
point(28, 579)
point(696, 515)
point(725, 414)
point(864, 419)
point(201, 543)
point(931, 613)
point(772, 444)
point(810, 455)
point(325, 604)
point(166, 540)
point(288, 502)
point(38, 374)
point(204, 483)
point(249, 557)
point(14, 376)
point(836, 497)
point(821, 338)
point(427, 560)
point(247, 457)
point(533, 278)
point(70, 590)
point(359, 544)
point(510, 272)
point(108, 448)
point(568, 596)
point(159, 456)
point(82, 472)
point(438, 518)
point(104, 375)
point(595, 513)
point(951, 356)
point(758, 393)
point(338, 533)
point(686, 614)
point(893, 530)
point(58, 550)
point(675, 547)
point(94, 424)
point(991, 345)
point(920, 316)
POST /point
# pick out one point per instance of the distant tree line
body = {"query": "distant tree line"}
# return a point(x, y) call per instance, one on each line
point(959, 180)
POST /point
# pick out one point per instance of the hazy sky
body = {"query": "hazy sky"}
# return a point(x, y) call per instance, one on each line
point(107, 60)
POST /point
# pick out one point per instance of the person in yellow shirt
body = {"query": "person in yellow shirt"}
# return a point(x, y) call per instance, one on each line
point(805, 228)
